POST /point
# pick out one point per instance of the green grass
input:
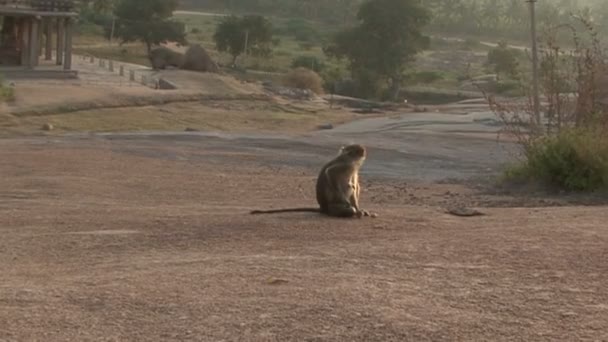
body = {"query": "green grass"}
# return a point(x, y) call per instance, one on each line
point(283, 54)
point(237, 115)
point(132, 53)
point(573, 160)
point(7, 94)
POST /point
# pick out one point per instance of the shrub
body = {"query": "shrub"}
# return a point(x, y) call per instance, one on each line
point(303, 78)
point(90, 16)
point(470, 44)
point(310, 62)
point(504, 60)
point(306, 46)
point(425, 77)
point(302, 30)
point(573, 160)
point(7, 93)
point(569, 149)
point(509, 88)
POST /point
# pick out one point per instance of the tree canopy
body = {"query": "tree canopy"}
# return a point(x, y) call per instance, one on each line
point(148, 21)
point(235, 35)
point(504, 60)
point(384, 42)
point(507, 18)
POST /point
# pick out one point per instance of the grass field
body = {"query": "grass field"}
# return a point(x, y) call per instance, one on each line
point(211, 115)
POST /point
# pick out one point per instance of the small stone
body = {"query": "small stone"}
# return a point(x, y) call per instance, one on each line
point(277, 281)
point(47, 127)
point(464, 212)
point(326, 126)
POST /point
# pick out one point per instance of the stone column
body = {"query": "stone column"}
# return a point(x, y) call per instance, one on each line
point(69, 27)
point(41, 28)
point(48, 50)
point(24, 37)
point(34, 41)
point(60, 39)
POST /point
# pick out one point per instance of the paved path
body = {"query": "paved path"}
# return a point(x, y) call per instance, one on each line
point(425, 147)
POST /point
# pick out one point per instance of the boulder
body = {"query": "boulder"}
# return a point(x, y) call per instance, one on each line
point(197, 59)
point(163, 57)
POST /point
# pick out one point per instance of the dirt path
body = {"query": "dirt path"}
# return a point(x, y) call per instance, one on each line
point(131, 238)
point(427, 147)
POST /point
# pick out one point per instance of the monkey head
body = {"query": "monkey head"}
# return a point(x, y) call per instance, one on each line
point(355, 152)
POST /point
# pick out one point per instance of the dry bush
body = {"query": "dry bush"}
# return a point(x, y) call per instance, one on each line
point(574, 120)
point(303, 78)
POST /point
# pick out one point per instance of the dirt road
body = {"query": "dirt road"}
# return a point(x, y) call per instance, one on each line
point(139, 238)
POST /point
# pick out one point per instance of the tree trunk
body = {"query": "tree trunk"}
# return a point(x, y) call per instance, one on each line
point(395, 88)
point(148, 46)
point(234, 57)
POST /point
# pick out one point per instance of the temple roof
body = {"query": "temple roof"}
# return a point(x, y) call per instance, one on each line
point(38, 7)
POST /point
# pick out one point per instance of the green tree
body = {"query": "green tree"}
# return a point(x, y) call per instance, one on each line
point(310, 62)
point(503, 60)
point(148, 21)
point(103, 5)
point(99, 5)
point(384, 42)
point(248, 34)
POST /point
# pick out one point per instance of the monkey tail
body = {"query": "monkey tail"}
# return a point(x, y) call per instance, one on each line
point(289, 210)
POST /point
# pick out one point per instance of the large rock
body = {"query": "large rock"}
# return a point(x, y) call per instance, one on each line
point(197, 59)
point(163, 57)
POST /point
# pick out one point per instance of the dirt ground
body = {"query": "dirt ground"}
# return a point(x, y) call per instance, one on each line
point(106, 239)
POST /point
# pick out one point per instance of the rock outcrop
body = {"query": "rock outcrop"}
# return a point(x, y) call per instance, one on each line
point(197, 59)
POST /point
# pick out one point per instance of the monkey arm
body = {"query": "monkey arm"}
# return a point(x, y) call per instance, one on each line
point(337, 177)
point(354, 201)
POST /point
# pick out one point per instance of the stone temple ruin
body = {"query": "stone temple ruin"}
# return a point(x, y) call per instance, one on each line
point(26, 38)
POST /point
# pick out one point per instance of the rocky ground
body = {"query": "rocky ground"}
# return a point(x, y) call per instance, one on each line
point(118, 225)
point(148, 237)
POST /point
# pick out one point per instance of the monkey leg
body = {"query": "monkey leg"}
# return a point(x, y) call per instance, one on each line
point(364, 212)
point(354, 202)
point(342, 210)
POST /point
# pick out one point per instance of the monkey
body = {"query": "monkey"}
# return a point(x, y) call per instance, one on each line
point(337, 187)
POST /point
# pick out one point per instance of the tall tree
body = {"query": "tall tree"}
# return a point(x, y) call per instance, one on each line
point(385, 41)
point(238, 35)
point(99, 5)
point(148, 21)
point(503, 60)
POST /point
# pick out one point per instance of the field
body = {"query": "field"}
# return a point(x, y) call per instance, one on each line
point(130, 237)
point(124, 213)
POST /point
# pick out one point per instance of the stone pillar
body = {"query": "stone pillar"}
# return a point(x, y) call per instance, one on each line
point(41, 28)
point(24, 37)
point(60, 39)
point(34, 42)
point(48, 50)
point(69, 27)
